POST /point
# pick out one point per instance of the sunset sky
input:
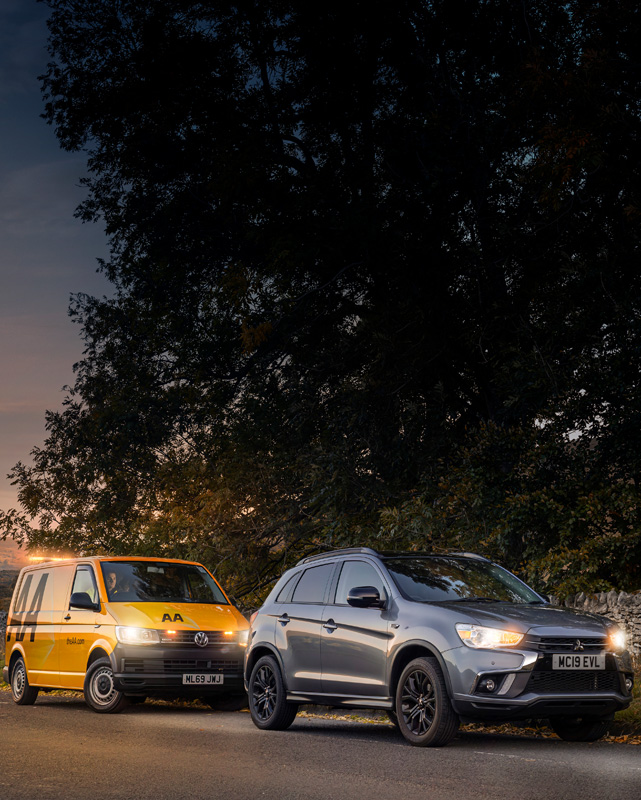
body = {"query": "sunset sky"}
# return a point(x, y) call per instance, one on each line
point(45, 253)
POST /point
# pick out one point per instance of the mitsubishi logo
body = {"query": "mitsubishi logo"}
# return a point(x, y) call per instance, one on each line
point(202, 639)
point(578, 645)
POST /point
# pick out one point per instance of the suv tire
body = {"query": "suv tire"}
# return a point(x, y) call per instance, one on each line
point(100, 692)
point(423, 709)
point(268, 705)
point(574, 729)
point(23, 694)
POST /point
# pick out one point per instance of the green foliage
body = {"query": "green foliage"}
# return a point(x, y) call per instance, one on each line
point(372, 271)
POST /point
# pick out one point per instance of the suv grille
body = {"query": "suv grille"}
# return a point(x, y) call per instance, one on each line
point(544, 682)
point(566, 644)
point(176, 666)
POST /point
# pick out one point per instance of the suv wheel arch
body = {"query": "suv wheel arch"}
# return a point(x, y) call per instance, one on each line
point(415, 648)
point(260, 650)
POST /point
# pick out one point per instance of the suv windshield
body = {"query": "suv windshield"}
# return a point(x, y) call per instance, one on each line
point(437, 579)
point(148, 582)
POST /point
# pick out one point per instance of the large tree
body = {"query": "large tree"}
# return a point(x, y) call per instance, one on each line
point(376, 280)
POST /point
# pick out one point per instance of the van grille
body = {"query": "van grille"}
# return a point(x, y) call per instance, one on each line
point(553, 682)
point(176, 666)
point(187, 637)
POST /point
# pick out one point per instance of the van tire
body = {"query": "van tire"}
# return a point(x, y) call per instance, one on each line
point(100, 692)
point(23, 694)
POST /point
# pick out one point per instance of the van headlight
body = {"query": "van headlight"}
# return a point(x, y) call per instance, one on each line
point(477, 636)
point(137, 635)
point(243, 637)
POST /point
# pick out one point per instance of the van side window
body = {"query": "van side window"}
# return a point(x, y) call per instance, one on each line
point(357, 573)
point(85, 582)
point(311, 587)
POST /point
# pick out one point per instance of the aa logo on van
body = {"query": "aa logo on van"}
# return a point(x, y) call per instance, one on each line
point(167, 618)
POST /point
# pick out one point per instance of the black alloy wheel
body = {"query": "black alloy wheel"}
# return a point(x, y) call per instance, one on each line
point(423, 709)
point(267, 697)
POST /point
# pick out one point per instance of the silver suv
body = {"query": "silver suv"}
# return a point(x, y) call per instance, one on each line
point(431, 639)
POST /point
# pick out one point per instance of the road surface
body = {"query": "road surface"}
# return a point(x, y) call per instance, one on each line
point(59, 748)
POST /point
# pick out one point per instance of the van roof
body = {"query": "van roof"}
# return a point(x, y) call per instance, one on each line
point(96, 559)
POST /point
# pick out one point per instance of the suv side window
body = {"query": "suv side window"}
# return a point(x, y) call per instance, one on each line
point(287, 588)
point(311, 586)
point(357, 573)
point(85, 582)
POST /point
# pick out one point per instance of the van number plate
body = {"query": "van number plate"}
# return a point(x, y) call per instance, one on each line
point(578, 661)
point(202, 679)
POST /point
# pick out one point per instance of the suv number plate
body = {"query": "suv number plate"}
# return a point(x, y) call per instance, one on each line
point(203, 679)
point(578, 661)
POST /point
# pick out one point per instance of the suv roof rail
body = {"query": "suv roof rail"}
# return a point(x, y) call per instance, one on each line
point(470, 555)
point(340, 551)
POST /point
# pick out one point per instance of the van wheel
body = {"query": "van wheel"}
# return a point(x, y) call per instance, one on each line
point(23, 694)
point(268, 705)
point(234, 702)
point(425, 715)
point(100, 691)
point(580, 730)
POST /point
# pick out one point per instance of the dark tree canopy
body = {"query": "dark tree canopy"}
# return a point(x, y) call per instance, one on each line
point(376, 277)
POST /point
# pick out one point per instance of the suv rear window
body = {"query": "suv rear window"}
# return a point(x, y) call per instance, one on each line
point(311, 586)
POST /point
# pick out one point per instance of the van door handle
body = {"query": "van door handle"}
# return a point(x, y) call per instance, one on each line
point(330, 625)
point(284, 619)
point(68, 616)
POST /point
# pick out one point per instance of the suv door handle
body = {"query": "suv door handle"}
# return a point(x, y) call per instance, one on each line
point(284, 619)
point(330, 625)
point(67, 617)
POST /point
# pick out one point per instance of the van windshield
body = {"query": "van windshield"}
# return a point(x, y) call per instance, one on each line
point(149, 582)
point(437, 579)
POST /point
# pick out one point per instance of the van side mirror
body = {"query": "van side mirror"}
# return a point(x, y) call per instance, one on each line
point(83, 601)
point(365, 597)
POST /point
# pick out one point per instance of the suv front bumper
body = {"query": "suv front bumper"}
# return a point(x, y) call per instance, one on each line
point(535, 691)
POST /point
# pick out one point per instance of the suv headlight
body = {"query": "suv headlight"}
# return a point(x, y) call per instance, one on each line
point(617, 639)
point(137, 635)
point(478, 636)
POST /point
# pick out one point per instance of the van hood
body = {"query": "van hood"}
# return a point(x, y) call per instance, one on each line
point(178, 616)
point(524, 617)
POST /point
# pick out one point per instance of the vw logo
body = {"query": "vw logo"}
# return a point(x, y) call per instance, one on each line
point(578, 645)
point(202, 639)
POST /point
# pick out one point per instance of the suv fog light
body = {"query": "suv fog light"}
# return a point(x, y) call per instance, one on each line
point(629, 683)
point(487, 685)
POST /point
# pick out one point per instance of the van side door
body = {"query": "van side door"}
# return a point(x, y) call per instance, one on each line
point(78, 630)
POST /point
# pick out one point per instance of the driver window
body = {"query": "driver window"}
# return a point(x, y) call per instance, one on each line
point(357, 573)
point(84, 582)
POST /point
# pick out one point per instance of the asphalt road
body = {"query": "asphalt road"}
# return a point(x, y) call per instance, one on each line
point(59, 748)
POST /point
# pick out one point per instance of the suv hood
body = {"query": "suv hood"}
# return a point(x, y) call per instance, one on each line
point(193, 616)
point(524, 617)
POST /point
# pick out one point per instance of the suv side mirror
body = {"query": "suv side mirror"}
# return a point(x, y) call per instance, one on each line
point(83, 601)
point(365, 597)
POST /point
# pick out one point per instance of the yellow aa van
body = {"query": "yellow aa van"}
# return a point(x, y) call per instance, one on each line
point(121, 629)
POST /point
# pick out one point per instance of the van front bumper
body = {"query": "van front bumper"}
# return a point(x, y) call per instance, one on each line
point(5, 674)
point(144, 669)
